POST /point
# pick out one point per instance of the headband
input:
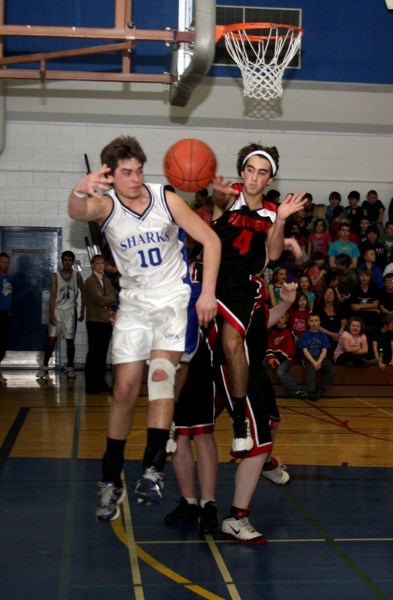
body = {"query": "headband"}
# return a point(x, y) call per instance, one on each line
point(265, 155)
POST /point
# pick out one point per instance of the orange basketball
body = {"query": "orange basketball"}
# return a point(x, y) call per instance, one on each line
point(190, 165)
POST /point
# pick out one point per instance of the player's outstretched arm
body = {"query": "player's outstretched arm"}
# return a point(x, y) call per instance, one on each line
point(288, 296)
point(193, 225)
point(275, 238)
point(85, 202)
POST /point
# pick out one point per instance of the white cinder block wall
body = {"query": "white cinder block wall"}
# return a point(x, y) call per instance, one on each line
point(45, 146)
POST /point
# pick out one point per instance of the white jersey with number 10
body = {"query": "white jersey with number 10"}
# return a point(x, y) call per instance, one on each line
point(148, 249)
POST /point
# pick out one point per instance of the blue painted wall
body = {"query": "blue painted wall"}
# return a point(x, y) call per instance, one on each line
point(345, 41)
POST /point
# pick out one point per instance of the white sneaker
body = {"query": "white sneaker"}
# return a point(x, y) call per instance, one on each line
point(242, 531)
point(42, 373)
point(2, 378)
point(276, 473)
point(70, 373)
point(242, 440)
point(149, 487)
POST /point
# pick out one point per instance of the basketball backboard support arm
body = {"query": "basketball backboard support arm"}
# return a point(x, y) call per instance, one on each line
point(202, 56)
point(124, 35)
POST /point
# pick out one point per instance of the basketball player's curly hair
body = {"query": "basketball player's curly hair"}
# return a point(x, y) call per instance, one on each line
point(244, 152)
point(122, 148)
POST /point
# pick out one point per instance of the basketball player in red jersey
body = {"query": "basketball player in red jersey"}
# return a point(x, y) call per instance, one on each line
point(251, 231)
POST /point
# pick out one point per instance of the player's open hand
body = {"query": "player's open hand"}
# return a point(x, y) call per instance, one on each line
point(292, 204)
point(95, 183)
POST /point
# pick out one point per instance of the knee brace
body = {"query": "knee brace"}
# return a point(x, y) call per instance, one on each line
point(165, 387)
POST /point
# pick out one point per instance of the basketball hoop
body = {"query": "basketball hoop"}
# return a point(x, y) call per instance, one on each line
point(262, 51)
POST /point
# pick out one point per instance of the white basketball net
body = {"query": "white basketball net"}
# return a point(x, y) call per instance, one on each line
point(262, 61)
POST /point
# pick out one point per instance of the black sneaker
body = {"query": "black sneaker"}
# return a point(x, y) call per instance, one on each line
point(183, 513)
point(208, 522)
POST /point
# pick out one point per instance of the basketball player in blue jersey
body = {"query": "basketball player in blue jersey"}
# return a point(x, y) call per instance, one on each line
point(144, 226)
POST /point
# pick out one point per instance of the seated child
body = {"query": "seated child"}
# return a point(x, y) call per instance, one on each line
point(298, 315)
point(280, 355)
point(372, 241)
point(305, 288)
point(314, 345)
point(353, 211)
point(316, 272)
point(386, 240)
point(386, 295)
point(364, 300)
point(369, 259)
point(382, 341)
point(352, 347)
point(346, 277)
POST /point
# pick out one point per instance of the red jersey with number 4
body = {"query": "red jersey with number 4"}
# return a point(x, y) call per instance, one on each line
point(243, 233)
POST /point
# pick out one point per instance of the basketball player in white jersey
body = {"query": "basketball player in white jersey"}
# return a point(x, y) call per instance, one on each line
point(144, 226)
point(64, 288)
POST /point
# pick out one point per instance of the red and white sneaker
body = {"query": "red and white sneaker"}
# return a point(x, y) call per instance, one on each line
point(242, 531)
point(276, 473)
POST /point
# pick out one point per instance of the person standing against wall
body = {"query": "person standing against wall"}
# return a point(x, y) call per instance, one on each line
point(99, 297)
point(5, 307)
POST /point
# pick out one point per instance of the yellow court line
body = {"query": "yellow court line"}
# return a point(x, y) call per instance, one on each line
point(126, 536)
point(231, 587)
point(132, 548)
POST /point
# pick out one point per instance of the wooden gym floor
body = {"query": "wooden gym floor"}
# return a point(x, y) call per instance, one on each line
point(330, 531)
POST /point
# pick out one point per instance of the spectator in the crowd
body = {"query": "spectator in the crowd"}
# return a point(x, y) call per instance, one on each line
point(338, 217)
point(347, 278)
point(274, 287)
point(364, 223)
point(319, 239)
point(308, 210)
point(354, 211)
point(5, 306)
point(364, 300)
point(332, 317)
point(382, 341)
point(344, 246)
point(369, 259)
point(390, 210)
point(334, 200)
point(316, 272)
point(100, 299)
point(280, 355)
point(386, 239)
point(273, 196)
point(374, 209)
point(314, 346)
point(305, 288)
point(298, 315)
point(386, 295)
point(320, 213)
point(199, 198)
point(352, 346)
point(372, 241)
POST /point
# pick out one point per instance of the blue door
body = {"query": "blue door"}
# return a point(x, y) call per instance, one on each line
point(35, 254)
